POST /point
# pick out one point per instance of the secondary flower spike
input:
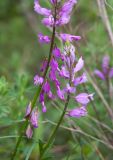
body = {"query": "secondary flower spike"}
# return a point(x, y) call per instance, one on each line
point(107, 71)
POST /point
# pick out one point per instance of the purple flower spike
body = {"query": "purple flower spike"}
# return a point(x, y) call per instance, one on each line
point(78, 112)
point(105, 64)
point(34, 118)
point(68, 37)
point(80, 80)
point(99, 74)
point(84, 98)
point(29, 132)
point(56, 52)
point(38, 80)
point(28, 110)
point(43, 39)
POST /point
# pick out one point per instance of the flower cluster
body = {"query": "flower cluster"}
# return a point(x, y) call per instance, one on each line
point(62, 12)
point(107, 71)
point(68, 68)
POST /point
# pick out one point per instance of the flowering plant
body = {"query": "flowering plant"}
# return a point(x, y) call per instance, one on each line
point(61, 64)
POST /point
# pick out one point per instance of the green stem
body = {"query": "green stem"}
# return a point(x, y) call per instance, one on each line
point(56, 128)
point(36, 94)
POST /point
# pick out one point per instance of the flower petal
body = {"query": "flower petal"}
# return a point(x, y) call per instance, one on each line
point(84, 98)
point(34, 118)
point(80, 80)
point(79, 65)
point(28, 110)
point(40, 10)
point(68, 37)
point(78, 112)
point(38, 80)
point(29, 132)
point(56, 52)
point(43, 39)
point(99, 74)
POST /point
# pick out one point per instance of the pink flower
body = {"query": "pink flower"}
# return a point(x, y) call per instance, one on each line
point(84, 98)
point(68, 37)
point(79, 65)
point(28, 110)
point(38, 80)
point(40, 10)
point(43, 107)
point(60, 94)
point(56, 52)
point(48, 21)
point(69, 89)
point(34, 118)
point(80, 80)
point(43, 39)
point(78, 112)
point(64, 72)
point(29, 132)
point(46, 87)
point(99, 74)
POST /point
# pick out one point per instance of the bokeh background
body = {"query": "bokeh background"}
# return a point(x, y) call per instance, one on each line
point(20, 59)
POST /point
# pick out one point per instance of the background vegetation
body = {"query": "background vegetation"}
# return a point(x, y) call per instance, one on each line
point(89, 138)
